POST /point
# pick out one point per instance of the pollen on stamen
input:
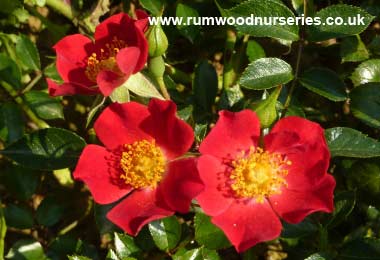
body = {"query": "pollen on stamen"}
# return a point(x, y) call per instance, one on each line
point(143, 164)
point(258, 174)
point(106, 60)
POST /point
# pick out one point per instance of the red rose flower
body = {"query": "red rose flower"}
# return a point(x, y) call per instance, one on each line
point(247, 188)
point(86, 67)
point(140, 159)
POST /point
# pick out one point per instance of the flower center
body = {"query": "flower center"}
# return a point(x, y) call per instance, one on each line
point(143, 164)
point(259, 174)
point(106, 60)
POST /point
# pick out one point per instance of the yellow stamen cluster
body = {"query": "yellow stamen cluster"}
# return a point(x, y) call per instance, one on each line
point(258, 174)
point(143, 164)
point(106, 60)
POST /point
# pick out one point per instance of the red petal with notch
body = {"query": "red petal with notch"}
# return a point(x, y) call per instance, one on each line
point(66, 89)
point(120, 124)
point(127, 59)
point(173, 135)
point(232, 134)
point(138, 209)
point(215, 198)
point(72, 53)
point(248, 223)
point(96, 167)
point(181, 184)
point(108, 81)
point(142, 20)
point(294, 205)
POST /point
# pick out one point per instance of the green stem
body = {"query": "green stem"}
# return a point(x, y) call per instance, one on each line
point(32, 116)
point(229, 75)
point(62, 8)
point(177, 75)
point(32, 83)
point(164, 91)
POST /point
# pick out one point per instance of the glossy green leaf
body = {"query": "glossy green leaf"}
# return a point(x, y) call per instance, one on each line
point(190, 31)
point(185, 113)
point(21, 182)
point(166, 232)
point(269, 8)
point(344, 204)
point(46, 149)
point(197, 254)
point(348, 27)
point(302, 229)
point(353, 49)
point(10, 72)
point(11, 122)
point(142, 86)
point(45, 106)
point(51, 72)
point(368, 71)
point(205, 86)
point(49, 212)
point(26, 249)
point(266, 73)
point(27, 53)
point(324, 82)
point(124, 245)
point(230, 97)
point(365, 103)
point(298, 6)
point(266, 109)
point(348, 142)
point(208, 234)
point(154, 7)
point(254, 51)
point(18, 217)
point(360, 249)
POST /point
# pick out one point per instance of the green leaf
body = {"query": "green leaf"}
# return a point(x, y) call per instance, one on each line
point(368, 71)
point(343, 141)
point(324, 82)
point(124, 245)
point(360, 249)
point(51, 72)
point(185, 113)
point(142, 86)
point(21, 182)
point(10, 72)
point(302, 229)
point(8, 6)
point(205, 86)
point(46, 149)
point(166, 232)
point(266, 73)
point(346, 12)
point(78, 257)
point(353, 49)
point(298, 6)
point(230, 97)
point(374, 46)
point(3, 230)
point(49, 212)
point(43, 105)
point(11, 122)
point(344, 204)
point(208, 234)
point(197, 254)
point(266, 109)
point(120, 95)
point(254, 51)
point(254, 9)
point(365, 175)
point(154, 7)
point(190, 31)
point(27, 53)
point(318, 256)
point(102, 222)
point(365, 103)
point(200, 131)
point(98, 104)
point(26, 249)
point(18, 217)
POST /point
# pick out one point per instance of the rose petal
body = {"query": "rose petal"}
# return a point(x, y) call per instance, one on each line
point(172, 134)
point(138, 209)
point(181, 184)
point(127, 59)
point(294, 205)
point(108, 81)
point(120, 124)
point(232, 134)
point(67, 89)
point(99, 170)
point(215, 198)
point(246, 224)
point(142, 20)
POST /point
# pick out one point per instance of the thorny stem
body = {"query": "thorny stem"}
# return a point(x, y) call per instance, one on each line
point(299, 55)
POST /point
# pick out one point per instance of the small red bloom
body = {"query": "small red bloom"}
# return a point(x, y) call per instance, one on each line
point(140, 159)
point(86, 67)
point(247, 188)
